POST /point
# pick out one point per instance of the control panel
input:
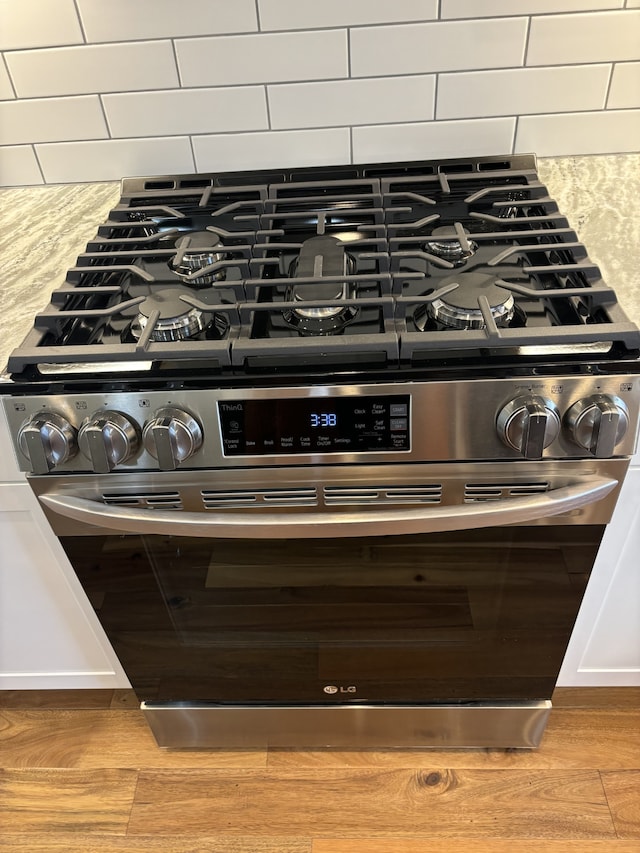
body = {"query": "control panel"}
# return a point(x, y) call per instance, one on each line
point(409, 421)
point(315, 425)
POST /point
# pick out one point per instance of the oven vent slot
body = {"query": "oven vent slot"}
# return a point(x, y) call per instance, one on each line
point(501, 491)
point(411, 494)
point(296, 496)
point(146, 500)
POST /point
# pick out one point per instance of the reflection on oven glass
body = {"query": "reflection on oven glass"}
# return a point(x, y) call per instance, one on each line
point(464, 616)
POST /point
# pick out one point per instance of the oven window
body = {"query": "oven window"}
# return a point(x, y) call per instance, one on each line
point(454, 617)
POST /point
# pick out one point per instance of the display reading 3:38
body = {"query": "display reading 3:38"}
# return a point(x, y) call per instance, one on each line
point(326, 419)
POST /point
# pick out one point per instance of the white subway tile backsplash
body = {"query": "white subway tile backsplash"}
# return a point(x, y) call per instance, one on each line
point(93, 68)
point(38, 23)
point(433, 139)
point(522, 90)
point(50, 120)
point(122, 20)
point(625, 86)
point(183, 111)
point(439, 46)
point(592, 37)
point(268, 58)
point(611, 131)
point(307, 14)
point(491, 8)
point(345, 102)
point(6, 89)
point(272, 150)
point(275, 83)
point(112, 159)
point(18, 166)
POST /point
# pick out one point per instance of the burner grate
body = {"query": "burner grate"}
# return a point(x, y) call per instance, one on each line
point(330, 269)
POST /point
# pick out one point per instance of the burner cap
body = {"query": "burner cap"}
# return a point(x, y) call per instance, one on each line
point(445, 243)
point(198, 250)
point(178, 321)
point(459, 308)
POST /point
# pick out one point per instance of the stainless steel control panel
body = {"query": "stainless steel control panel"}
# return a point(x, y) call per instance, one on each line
point(560, 417)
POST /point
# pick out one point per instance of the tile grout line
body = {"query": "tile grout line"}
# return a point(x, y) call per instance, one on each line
point(35, 154)
point(80, 21)
point(527, 38)
point(174, 50)
point(104, 117)
point(268, 109)
point(193, 154)
point(5, 64)
point(607, 94)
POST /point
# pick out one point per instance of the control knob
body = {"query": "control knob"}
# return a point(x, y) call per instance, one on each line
point(47, 439)
point(172, 436)
point(528, 424)
point(108, 438)
point(598, 423)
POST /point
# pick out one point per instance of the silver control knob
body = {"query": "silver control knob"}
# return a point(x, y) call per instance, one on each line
point(108, 438)
point(47, 440)
point(598, 423)
point(528, 424)
point(172, 436)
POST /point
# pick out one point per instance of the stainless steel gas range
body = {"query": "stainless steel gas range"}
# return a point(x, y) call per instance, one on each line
point(332, 450)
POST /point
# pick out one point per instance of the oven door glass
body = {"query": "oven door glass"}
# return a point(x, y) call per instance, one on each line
point(452, 617)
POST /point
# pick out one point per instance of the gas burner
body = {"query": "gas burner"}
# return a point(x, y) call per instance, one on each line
point(197, 251)
point(178, 321)
point(450, 243)
point(320, 256)
point(459, 308)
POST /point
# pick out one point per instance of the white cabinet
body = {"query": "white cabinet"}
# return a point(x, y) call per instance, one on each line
point(49, 635)
point(9, 471)
point(605, 645)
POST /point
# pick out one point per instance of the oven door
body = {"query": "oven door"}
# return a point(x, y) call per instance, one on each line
point(362, 637)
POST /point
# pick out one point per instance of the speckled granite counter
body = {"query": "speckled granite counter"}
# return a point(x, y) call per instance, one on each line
point(43, 229)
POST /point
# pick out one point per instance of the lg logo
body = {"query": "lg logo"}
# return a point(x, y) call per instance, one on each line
point(331, 688)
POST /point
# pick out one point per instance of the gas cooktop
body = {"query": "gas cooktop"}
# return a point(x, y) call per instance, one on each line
point(433, 265)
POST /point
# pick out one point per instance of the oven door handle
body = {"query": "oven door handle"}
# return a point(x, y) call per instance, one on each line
point(315, 525)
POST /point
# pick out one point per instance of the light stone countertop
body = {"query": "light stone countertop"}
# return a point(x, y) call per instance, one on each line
point(43, 229)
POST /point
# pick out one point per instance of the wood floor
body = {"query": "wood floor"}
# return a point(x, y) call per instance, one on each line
point(79, 781)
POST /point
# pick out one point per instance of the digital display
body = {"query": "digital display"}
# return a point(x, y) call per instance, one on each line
point(315, 425)
point(326, 419)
